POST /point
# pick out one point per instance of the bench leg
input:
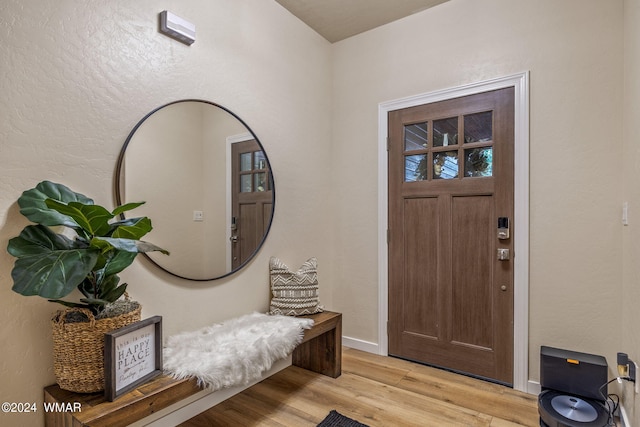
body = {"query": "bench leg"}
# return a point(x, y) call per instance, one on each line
point(322, 354)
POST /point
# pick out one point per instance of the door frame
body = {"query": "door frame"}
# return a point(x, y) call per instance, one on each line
point(520, 82)
point(232, 139)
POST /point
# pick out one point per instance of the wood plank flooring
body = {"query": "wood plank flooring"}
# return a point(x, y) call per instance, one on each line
point(377, 391)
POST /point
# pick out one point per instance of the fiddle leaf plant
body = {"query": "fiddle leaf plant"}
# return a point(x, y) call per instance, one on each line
point(51, 264)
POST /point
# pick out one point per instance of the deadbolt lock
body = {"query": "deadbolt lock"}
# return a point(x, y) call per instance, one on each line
point(503, 254)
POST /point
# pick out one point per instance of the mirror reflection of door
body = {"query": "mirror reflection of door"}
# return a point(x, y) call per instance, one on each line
point(251, 200)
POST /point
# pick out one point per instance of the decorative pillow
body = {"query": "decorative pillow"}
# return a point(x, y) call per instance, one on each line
point(294, 293)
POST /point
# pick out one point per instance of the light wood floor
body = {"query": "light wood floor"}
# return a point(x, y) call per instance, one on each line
point(377, 391)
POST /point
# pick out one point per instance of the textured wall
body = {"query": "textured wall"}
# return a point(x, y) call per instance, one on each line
point(77, 76)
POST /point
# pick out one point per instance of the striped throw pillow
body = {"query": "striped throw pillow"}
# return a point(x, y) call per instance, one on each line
point(294, 293)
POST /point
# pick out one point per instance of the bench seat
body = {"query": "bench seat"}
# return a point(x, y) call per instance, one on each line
point(320, 351)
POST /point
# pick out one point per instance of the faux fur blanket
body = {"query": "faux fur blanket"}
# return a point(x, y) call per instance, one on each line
point(235, 352)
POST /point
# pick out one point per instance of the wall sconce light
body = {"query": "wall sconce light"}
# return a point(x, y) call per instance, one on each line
point(177, 28)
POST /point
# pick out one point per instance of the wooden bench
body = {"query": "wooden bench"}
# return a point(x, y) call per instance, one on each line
point(320, 351)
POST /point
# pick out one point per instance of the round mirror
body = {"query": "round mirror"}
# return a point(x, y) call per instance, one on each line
point(207, 184)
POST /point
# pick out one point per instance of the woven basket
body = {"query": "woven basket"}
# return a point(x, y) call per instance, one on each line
point(78, 349)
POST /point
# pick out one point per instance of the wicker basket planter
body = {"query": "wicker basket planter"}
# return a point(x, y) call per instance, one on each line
point(78, 348)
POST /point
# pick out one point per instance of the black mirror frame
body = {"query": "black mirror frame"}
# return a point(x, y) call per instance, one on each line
point(119, 201)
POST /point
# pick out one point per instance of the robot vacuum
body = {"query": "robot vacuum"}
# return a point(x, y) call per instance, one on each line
point(571, 389)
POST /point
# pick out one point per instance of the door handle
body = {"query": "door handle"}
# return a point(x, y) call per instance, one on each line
point(233, 239)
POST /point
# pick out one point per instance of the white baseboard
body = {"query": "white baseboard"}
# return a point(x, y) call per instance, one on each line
point(533, 387)
point(369, 347)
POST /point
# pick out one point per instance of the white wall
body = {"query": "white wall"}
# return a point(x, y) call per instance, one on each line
point(573, 50)
point(77, 76)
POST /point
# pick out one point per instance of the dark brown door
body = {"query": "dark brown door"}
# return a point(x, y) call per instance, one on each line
point(251, 200)
point(450, 180)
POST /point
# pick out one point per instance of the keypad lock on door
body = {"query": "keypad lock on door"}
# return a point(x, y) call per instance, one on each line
point(503, 228)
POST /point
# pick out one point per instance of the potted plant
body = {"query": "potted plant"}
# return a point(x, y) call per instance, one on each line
point(76, 244)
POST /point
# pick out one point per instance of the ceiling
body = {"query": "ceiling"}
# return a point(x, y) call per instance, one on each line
point(336, 20)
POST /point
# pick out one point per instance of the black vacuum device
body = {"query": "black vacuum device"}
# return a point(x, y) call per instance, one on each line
point(574, 389)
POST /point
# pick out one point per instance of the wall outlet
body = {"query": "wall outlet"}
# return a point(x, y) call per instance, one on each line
point(198, 216)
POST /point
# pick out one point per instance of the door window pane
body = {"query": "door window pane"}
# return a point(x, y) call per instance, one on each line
point(245, 161)
point(260, 181)
point(478, 127)
point(415, 168)
point(416, 137)
point(245, 183)
point(259, 160)
point(445, 132)
point(478, 162)
point(445, 165)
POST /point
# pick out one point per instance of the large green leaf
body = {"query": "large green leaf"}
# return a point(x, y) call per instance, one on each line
point(109, 284)
point(32, 203)
point(128, 245)
point(94, 219)
point(118, 261)
point(110, 290)
point(133, 229)
point(107, 291)
point(53, 275)
point(115, 294)
point(38, 239)
point(126, 207)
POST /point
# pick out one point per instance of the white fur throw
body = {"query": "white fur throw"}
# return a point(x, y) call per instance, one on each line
point(235, 352)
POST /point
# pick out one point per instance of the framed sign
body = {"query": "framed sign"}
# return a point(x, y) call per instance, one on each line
point(132, 356)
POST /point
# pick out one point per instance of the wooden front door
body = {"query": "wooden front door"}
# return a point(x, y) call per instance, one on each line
point(450, 181)
point(251, 200)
